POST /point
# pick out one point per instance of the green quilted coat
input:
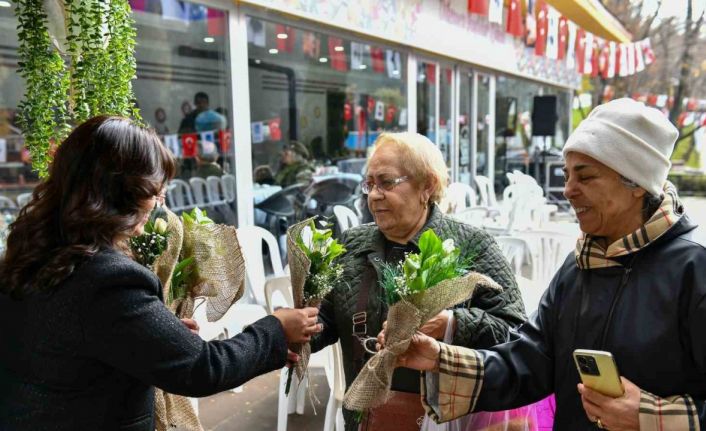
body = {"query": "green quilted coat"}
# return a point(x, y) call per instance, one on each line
point(481, 322)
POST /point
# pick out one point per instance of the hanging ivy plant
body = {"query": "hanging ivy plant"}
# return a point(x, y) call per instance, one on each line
point(92, 75)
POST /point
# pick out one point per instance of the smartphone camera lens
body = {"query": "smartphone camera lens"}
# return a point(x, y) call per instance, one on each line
point(587, 365)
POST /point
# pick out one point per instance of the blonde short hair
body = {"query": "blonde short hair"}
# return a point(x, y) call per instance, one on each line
point(420, 158)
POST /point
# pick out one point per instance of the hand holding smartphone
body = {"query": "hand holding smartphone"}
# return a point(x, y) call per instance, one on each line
point(599, 372)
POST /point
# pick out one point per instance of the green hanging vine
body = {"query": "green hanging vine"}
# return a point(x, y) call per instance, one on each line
point(93, 76)
point(43, 116)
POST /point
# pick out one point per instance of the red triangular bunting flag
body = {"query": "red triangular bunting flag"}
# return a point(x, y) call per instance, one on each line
point(479, 7)
point(514, 19)
point(540, 46)
point(224, 139)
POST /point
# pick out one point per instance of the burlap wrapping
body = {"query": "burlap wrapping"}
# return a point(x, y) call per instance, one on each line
point(371, 388)
point(299, 265)
point(220, 278)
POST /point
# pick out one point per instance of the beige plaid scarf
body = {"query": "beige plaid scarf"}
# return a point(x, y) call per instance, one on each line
point(591, 254)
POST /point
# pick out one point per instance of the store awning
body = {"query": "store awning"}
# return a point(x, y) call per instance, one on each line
point(594, 17)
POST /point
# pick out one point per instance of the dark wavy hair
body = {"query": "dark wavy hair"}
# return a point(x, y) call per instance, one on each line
point(93, 199)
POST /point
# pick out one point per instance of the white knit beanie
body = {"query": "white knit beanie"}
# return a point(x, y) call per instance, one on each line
point(630, 138)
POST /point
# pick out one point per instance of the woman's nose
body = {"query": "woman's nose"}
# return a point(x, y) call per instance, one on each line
point(570, 190)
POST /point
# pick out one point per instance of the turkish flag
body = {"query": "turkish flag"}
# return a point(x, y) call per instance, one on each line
point(514, 19)
point(595, 57)
point(691, 105)
point(580, 49)
point(540, 47)
point(286, 44)
point(563, 37)
point(216, 22)
point(225, 138)
point(430, 72)
point(478, 7)
point(275, 130)
point(378, 58)
point(652, 99)
point(189, 147)
point(603, 60)
point(338, 58)
point(390, 114)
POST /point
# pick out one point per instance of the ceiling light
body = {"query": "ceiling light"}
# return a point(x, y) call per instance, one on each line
point(282, 35)
point(258, 61)
point(338, 49)
point(323, 60)
point(273, 51)
point(362, 67)
point(4, 3)
point(395, 72)
point(209, 39)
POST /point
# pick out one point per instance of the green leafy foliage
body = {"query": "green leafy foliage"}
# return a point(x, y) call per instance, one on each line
point(436, 261)
point(322, 250)
point(93, 78)
point(181, 278)
point(196, 216)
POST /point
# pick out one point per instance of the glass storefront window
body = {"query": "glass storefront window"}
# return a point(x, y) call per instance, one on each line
point(318, 100)
point(183, 81)
point(445, 109)
point(426, 99)
point(482, 124)
point(465, 113)
point(515, 145)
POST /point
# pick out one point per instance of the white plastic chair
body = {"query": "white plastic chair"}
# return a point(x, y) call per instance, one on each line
point(6, 202)
point(329, 358)
point(23, 199)
point(179, 196)
point(475, 216)
point(549, 250)
point(214, 190)
point(515, 251)
point(199, 188)
point(251, 239)
point(460, 196)
point(345, 217)
point(486, 189)
point(228, 183)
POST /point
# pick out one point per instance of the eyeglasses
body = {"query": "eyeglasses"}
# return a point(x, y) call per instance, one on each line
point(383, 186)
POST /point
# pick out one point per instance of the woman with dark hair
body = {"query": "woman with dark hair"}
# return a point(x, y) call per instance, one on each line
point(85, 334)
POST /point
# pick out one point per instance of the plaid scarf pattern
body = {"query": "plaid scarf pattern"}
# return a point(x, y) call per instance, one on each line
point(591, 254)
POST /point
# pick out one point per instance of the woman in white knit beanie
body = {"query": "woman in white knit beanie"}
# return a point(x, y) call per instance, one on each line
point(635, 287)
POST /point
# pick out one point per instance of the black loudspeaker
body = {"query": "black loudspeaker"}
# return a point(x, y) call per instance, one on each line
point(544, 116)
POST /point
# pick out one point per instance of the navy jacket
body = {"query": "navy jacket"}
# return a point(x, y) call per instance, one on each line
point(655, 333)
point(87, 355)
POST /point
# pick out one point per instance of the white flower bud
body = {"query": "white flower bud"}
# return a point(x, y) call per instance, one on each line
point(448, 246)
point(160, 225)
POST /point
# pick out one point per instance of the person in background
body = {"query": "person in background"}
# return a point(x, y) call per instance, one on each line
point(263, 175)
point(294, 165)
point(405, 178)
point(85, 333)
point(188, 123)
point(206, 165)
point(635, 287)
point(160, 126)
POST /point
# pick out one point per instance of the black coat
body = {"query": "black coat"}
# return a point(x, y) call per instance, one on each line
point(87, 356)
point(654, 334)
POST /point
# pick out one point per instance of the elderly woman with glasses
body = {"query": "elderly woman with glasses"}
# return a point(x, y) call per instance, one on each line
point(406, 178)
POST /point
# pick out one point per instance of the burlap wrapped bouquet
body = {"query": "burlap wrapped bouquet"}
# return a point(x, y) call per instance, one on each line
point(413, 304)
point(206, 261)
point(311, 253)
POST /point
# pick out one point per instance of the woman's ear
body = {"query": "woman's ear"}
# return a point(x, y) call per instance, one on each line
point(429, 188)
point(638, 192)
